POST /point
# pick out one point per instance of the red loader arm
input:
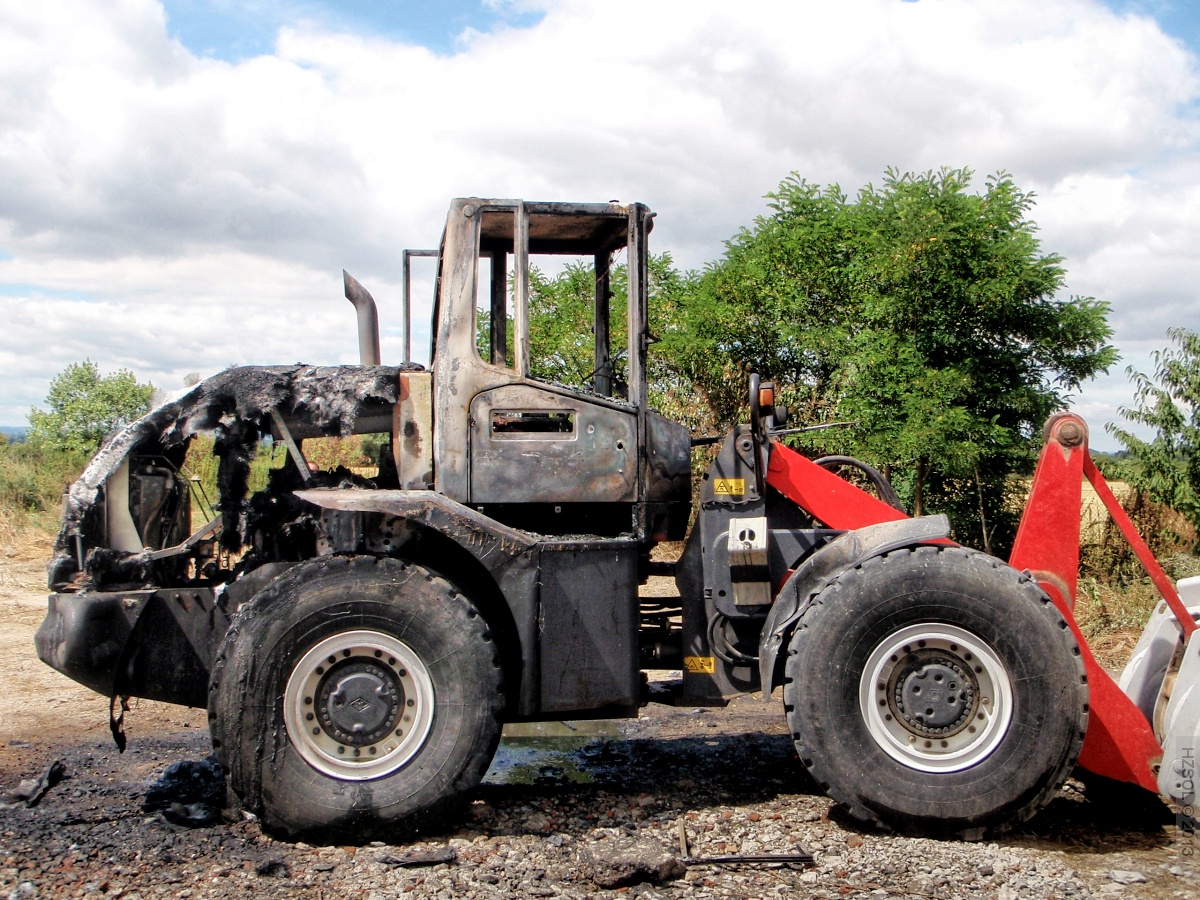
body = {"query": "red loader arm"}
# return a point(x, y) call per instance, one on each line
point(1120, 743)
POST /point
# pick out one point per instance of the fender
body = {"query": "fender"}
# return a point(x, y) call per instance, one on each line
point(843, 552)
point(490, 542)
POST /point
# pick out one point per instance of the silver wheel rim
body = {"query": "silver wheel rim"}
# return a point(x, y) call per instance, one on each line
point(936, 698)
point(358, 705)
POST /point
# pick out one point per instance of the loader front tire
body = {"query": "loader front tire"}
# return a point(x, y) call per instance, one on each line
point(358, 694)
point(936, 690)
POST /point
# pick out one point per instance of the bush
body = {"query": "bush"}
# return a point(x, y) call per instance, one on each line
point(32, 483)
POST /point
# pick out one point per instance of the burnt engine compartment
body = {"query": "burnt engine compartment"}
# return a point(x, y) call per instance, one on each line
point(127, 521)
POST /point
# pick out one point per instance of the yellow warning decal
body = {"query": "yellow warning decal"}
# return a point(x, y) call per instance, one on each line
point(700, 665)
point(734, 487)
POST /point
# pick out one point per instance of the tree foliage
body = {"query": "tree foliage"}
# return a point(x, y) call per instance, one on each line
point(562, 343)
point(85, 406)
point(925, 314)
point(1167, 467)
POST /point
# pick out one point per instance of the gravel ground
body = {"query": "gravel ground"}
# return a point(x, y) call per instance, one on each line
point(554, 815)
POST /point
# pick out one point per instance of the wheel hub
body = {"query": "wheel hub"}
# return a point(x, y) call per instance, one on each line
point(359, 705)
point(360, 701)
point(936, 697)
point(934, 694)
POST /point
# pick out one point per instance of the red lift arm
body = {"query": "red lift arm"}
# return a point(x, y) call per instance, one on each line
point(1120, 743)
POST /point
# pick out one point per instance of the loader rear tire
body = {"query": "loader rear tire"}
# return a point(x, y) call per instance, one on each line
point(358, 694)
point(936, 690)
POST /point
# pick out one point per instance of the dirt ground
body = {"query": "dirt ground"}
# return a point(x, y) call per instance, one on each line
point(90, 837)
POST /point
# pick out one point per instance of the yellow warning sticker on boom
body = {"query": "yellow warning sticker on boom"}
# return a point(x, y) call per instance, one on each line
point(700, 665)
point(731, 487)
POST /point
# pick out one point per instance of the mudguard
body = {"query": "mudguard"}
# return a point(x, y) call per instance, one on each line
point(843, 552)
point(490, 542)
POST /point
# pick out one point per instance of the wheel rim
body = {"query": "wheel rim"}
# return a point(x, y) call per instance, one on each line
point(936, 698)
point(359, 705)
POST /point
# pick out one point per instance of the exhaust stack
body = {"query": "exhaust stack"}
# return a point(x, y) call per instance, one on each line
point(368, 320)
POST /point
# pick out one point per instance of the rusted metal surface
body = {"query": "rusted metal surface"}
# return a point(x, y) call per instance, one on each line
point(588, 453)
point(474, 464)
point(412, 432)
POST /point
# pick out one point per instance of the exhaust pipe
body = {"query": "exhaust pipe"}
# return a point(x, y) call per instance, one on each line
point(368, 320)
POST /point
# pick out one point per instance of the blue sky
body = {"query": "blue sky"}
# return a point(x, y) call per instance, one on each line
point(235, 29)
point(1179, 18)
point(184, 180)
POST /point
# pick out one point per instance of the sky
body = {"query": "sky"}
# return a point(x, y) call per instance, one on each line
point(182, 182)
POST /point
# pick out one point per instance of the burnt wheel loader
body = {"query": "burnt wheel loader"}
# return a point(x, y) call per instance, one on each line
point(360, 638)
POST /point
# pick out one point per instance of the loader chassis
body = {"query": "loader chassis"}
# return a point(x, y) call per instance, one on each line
point(359, 637)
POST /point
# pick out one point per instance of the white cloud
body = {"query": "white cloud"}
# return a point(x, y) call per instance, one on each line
point(204, 209)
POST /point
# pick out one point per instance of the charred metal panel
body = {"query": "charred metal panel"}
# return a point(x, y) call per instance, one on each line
point(412, 432)
point(491, 543)
point(172, 648)
point(159, 645)
point(566, 520)
point(669, 451)
point(518, 582)
point(235, 406)
point(564, 227)
point(84, 635)
point(457, 369)
point(530, 445)
point(589, 626)
point(668, 478)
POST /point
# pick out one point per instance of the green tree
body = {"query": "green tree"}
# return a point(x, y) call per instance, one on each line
point(85, 406)
point(924, 313)
point(1167, 467)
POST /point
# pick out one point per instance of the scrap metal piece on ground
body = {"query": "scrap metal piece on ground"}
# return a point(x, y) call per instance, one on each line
point(417, 858)
point(803, 858)
point(31, 790)
point(737, 859)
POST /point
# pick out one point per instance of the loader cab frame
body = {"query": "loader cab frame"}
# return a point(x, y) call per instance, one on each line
point(519, 433)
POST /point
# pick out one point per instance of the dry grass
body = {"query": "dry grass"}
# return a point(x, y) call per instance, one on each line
point(1111, 617)
point(24, 538)
point(1112, 614)
point(24, 550)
